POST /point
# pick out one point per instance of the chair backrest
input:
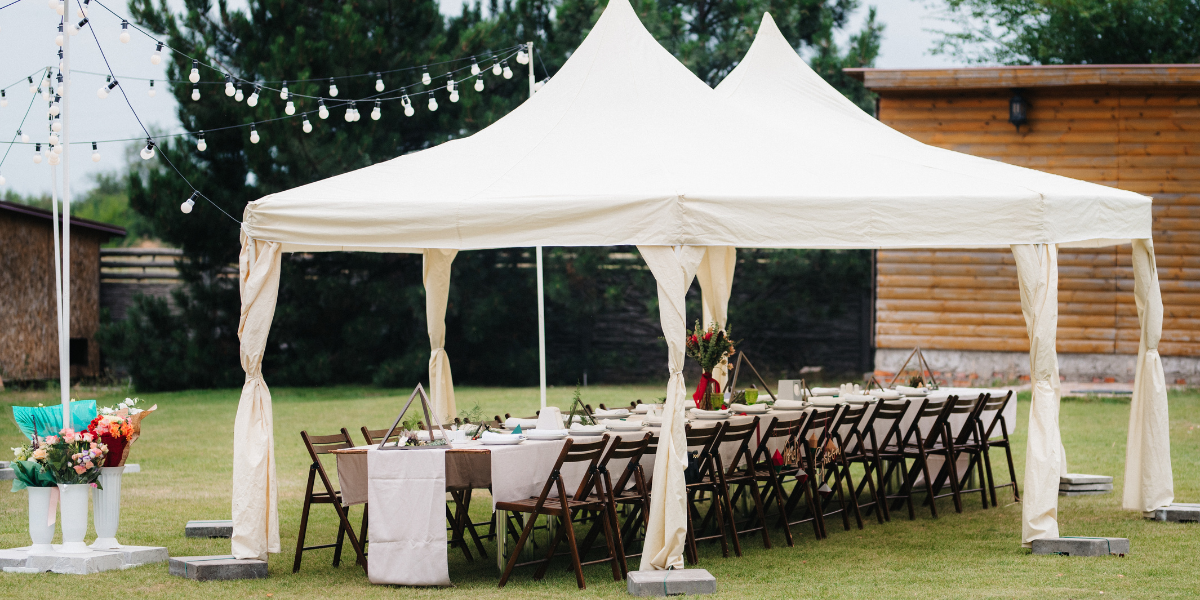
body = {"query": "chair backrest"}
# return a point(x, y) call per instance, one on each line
point(780, 427)
point(589, 452)
point(935, 412)
point(740, 435)
point(969, 406)
point(625, 448)
point(888, 415)
point(819, 421)
point(998, 405)
point(849, 420)
point(375, 436)
point(324, 444)
point(706, 439)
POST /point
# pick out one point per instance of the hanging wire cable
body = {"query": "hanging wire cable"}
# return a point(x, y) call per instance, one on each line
point(20, 128)
point(9, 4)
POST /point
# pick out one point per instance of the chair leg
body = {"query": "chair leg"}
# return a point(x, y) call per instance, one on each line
point(512, 559)
point(613, 546)
point(762, 515)
point(689, 544)
point(987, 467)
point(341, 537)
point(362, 536)
point(721, 495)
point(955, 490)
point(1012, 472)
point(566, 512)
point(928, 483)
point(870, 481)
point(853, 496)
point(312, 473)
point(787, 528)
point(558, 536)
point(881, 501)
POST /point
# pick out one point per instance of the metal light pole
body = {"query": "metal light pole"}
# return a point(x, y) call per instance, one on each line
point(64, 327)
point(541, 296)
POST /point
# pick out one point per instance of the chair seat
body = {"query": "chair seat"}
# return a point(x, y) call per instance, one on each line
point(550, 505)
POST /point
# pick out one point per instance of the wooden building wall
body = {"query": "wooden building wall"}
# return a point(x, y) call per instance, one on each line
point(1143, 139)
point(28, 327)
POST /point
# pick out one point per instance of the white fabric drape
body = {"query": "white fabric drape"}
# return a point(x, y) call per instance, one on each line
point(673, 268)
point(1037, 273)
point(255, 489)
point(715, 276)
point(437, 291)
point(406, 494)
point(1148, 479)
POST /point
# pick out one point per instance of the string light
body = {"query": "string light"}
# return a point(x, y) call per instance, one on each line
point(507, 71)
point(194, 76)
point(37, 154)
point(195, 93)
point(60, 7)
point(407, 104)
point(188, 204)
point(350, 113)
point(238, 94)
point(321, 110)
point(3, 99)
point(83, 10)
point(333, 91)
point(253, 134)
point(156, 58)
point(75, 29)
point(375, 112)
point(495, 66)
point(54, 157)
point(522, 57)
point(433, 105)
point(58, 39)
point(104, 90)
point(24, 136)
point(283, 93)
point(474, 67)
point(253, 100)
point(379, 82)
point(95, 153)
point(307, 127)
point(289, 109)
point(201, 145)
point(425, 78)
point(479, 84)
point(124, 31)
point(55, 107)
point(53, 139)
point(150, 92)
point(229, 91)
point(148, 152)
point(32, 85)
point(56, 126)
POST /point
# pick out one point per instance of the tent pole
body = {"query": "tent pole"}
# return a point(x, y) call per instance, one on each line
point(64, 356)
point(529, 49)
point(541, 326)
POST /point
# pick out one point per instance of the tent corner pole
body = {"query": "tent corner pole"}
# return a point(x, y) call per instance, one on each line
point(541, 306)
point(64, 355)
point(532, 84)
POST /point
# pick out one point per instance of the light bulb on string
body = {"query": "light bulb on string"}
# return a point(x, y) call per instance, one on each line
point(24, 136)
point(283, 92)
point(52, 4)
point(495, 66)
point(479, 84)
point(454, 95)
point(32, 86)
point(450, 82)
point(379, 87)
point(229, 91)
point(321, 110)
point(474, 67)
point(58, 39)
point(350, 113)
point(522, 57)
point(507, 71)
point(148, 152)
point(425, 78)
point(105, 89)
point(333, 91)
point(156, 58)
point(150, 92)
point(195, 93)
point(124, 31)
point(95, 153)
point(253, 99)
point(194, 76)
point(537, 87)
point(60, 7)
point(253, 134)
point(375, 112)
point(80, 25)
point(55, 108)
point(238, 96)
point(53, 139)
point(307, 127)
point(56, 126)
point(407, 104)
point(2, 180)
point(83, 10)
point(54, 157)
point(188, 204)
point(290, 108)
point(433, 105)
point(37, 154)
point(3, 99)
point(201, 145)
point(58, 150)
point(46, 80)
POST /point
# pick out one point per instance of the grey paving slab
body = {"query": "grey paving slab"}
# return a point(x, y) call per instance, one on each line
point(1085, 487)
point(216, 568)
point(209, 529)
point(84, 563)
point(1082, 546)
point(671, 583)
point(142, 555)
point(1084, 493)
point(7, 474)
point(1176, 513)
point(1081, 478)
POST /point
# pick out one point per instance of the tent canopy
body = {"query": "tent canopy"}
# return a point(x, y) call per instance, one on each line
point(626, 146)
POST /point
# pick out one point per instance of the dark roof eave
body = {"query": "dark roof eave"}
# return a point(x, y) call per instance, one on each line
point(112, 230)
point(1030, 76)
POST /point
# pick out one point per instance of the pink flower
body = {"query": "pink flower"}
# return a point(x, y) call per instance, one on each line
point(87, 437)
point(88, 464)
point(79, 469)
point(51, 440)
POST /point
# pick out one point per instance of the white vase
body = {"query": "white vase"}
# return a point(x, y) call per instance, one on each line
point(39, 513)
point(106, 508)
point(74, 513)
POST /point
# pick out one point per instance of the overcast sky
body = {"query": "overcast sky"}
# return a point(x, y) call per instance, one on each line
point(28, 29)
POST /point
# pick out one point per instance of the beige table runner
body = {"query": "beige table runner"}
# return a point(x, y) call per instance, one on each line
point(406, 490)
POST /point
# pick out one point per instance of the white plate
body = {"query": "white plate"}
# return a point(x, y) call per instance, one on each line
point(709, 417)
point(626, 427)
point(586, 433)
point(540, 435)
point(502, 442)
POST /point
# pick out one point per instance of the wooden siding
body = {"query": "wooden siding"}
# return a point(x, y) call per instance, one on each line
point(1142, 139)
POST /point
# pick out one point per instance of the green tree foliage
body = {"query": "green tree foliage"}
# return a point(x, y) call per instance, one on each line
point(360, 317)
point(1050, 32)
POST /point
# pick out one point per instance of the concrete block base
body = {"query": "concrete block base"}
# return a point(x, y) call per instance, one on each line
point(671, 583)
point(1082, 546)
point(1176, 513)
point(209, 529)
point(1087, 487)
point(7, 474)
point(18, 560)
point(141, 555)
point(216, 568)
point(1084, 493)
point(1084, 479)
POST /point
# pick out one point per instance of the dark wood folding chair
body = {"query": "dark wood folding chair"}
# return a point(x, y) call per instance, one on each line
point(803, 485)
point(998, 405)
point(781, 432)
point(886, 416)
point(736, 474)
point(966, 441)
point(631, 492)
point(316, 446)
point(812, 438)
point(921, 442)
point(839, 470)
point(563, 507)
point(702, 480)
point(848, 434)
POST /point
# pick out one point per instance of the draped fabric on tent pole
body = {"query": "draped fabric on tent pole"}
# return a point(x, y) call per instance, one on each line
point(674, 269)
point(437, 292)
point(1148, 479)
point(1037, 275)
point(255, 488)
point(716, 282)
point(626, 146)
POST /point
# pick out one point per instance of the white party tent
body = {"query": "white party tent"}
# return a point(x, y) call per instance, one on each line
point(772, 79)
point(626, 146)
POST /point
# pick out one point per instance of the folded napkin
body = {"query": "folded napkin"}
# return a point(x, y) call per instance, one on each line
point(748, 408)
point(545, 433)
point(789, 405)
point(819, 391)
point(912, 391)
point(616, 412)
point(577, 428)
point(698, 412)
point(886, 394)
point(645, 408)
point(493, 436)
point(652, 420)
point(550, 418)
point(512, 422)
point(856, 398)
point(821, 399)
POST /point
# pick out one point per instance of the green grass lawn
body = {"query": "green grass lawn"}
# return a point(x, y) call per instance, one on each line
point(186, 447)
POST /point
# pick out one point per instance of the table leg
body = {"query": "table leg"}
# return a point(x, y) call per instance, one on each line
point(501, 538)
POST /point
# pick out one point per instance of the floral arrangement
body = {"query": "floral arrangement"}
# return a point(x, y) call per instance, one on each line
point(709, 347)
point(29, 467)
point(118, 427)
point(72, 457)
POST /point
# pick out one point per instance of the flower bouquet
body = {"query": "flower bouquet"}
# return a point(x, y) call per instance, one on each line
point(709, 347)
point(74, 458)
point(29, 467)
point(117, 428)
